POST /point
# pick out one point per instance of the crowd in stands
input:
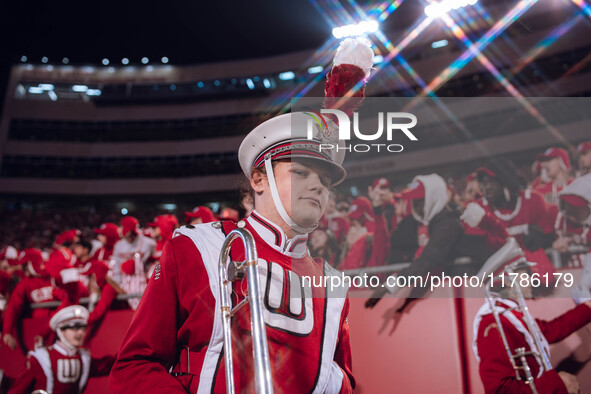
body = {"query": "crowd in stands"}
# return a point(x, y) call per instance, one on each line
point(56, 257)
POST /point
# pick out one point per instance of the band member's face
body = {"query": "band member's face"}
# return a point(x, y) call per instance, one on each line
point(492, 190)
point(552, 167)
point(102, 238)
point(303, 189)
point(80, 251)
point(418, 205)
point(577, 215)
point(472, 191)
point(585, 160)
point(75, 335)
point(130, 236)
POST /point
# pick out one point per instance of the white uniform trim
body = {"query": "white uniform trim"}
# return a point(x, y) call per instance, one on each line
point(330, 379)
point(86, 360)
point(510, 216)
point(42, 356)
point(209, 241)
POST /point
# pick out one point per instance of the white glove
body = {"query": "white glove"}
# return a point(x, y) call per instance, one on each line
point(473, 214)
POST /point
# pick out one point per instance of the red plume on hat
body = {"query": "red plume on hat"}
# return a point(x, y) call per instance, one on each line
point(352, 65)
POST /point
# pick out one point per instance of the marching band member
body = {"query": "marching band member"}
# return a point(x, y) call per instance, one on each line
point(496, 371)
point(65, 366)
point(177, 326)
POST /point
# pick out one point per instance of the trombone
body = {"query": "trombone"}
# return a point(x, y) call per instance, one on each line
point(505, 254)
point(228, 273)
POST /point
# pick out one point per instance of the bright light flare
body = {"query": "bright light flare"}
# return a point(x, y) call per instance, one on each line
point(359, 29)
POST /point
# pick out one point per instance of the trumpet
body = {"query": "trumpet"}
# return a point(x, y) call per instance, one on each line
point(228, 273)
point(504, 255)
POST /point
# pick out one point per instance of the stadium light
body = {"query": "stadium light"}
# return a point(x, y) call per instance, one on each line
point(250, 84)
point(24, 59)
point(436, 10)
point(359, 29)
point(378, 59)
point(164, 60)
point(125, 61)
point(52, 95)
point(266, 83)
point(46, 86)
point(286, 76)
point(439, 44)
point(65, 60)
point(145, 60)
point(79, 88)
point(93, 92)
point(44, 59)
point(35, 90)
point(105, 62)
point(315, 70)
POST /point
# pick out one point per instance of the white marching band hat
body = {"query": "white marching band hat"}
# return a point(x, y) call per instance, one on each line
point(69, 315)
point(286, 136)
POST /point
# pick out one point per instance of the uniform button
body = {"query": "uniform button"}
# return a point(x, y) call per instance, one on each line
point(216, 224)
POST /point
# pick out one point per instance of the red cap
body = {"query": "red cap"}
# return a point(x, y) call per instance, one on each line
point(414, 191)
point(33, 256)
point(166, 223)
point(109, 230)
point(360, 207)
point(554, 152)
point(382, 183)
point(129, 223)
point(584, 146)
point(10, 254)
point(471, 176)
point(69, 235)
point(202, 212)
point(574, 200)
point(484, 171)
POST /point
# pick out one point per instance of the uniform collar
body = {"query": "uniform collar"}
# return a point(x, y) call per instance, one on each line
point(276, 238)
point(64, 350)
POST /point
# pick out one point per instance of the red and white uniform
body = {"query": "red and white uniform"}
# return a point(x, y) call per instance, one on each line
point(496, 371)
point(308, 334)
point(370, 249)
point(579, 235)
point(58, 370)
point(124, 251)
point(550, 191)
point(30, 290)
point(530, 209)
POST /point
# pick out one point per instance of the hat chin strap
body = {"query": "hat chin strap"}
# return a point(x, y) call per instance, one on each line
point(279, 205)
point(63, 340)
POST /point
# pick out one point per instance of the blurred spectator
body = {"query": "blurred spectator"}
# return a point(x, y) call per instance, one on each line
point(584, 150)
point(571, 224)
point(132, 254)
point(556, 169)
point(36, 288)
point(472, 191)
point(524, 213)
point(229, 214)
point(366, 243)
point(432, 233)
point(108, 235)
point(323, 243)
point(199, 215)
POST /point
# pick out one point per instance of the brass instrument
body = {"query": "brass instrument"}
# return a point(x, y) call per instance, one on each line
point(504, 255)
point(228, 274)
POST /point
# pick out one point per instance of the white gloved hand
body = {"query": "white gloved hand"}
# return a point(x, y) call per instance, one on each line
point(473, 214)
